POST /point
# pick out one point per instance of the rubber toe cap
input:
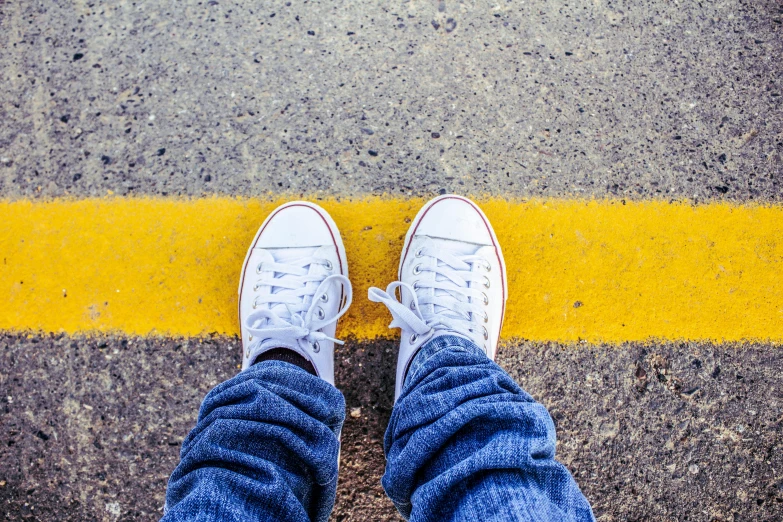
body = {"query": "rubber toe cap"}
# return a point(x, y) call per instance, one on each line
point(456, 219)
point(294, 226)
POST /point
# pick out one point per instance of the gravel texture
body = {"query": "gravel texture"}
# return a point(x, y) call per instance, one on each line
point(90, 428)
point(596, 98)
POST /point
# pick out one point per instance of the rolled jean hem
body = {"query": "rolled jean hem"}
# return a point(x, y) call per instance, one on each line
point(430, 348)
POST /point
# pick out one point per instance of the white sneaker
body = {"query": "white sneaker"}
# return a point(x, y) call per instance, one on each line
point(294, 287)
point(452, 280)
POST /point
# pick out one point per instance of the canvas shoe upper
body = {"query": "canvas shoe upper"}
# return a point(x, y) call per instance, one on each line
point(452, 280)
point(294, 287)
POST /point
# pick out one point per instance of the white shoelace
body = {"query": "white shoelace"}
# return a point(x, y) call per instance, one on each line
point(291, 314)
point(455, 305)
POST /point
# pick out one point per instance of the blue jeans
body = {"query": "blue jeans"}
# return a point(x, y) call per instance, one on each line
point(464, 442)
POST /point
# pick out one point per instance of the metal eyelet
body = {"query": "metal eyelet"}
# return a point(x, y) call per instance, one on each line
point(413, 305)
point(488, 267)
point(486, 333)
point(258, 285)
point(419, 252)
point(258, 268)
point(250, 337)
point(417, 270)
point(415, 285)
point(328, 265)
point(486, 299)
point(320, 312)
point(255, 303)
point(486, 282)
point(414, 338)
point(324, 298)
point(486, 317)
point(316, 347)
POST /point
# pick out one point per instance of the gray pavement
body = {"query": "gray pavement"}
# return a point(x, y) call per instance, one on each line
point(654, 98)
point(91, 427)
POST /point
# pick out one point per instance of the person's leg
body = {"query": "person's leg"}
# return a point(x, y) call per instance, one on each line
point(267, 442)
point(465, 442)
point(265, 448)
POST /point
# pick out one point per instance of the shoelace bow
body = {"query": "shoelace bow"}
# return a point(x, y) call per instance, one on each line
point(456, 303)
point(290, 311)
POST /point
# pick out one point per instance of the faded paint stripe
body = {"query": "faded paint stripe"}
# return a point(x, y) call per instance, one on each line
point(578, 270)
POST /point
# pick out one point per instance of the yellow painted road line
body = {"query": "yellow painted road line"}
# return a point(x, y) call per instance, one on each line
point(594, 271)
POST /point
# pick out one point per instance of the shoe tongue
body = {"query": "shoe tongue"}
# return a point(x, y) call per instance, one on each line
point(458, 248)
point(285, 255)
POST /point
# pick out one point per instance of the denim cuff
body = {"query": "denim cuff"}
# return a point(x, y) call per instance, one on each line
point(433, 346)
